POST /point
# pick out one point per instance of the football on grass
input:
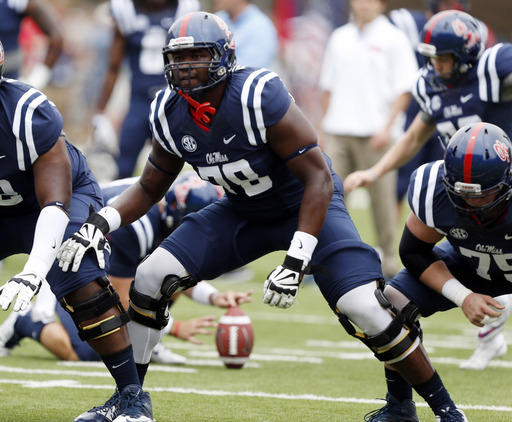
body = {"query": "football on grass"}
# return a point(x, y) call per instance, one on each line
point(234, 338)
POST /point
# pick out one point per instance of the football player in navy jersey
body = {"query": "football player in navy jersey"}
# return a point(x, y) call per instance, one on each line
point(46, 18)
point(47, 191)
point(140, 28)
point(239, 128)
point(411, 22)
point(459, 84)
point(129, 245)
point(464, 199)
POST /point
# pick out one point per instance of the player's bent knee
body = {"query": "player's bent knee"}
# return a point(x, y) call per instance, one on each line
point(154, 269)
point(390, 334)
point(95, 306)
point(152, 312)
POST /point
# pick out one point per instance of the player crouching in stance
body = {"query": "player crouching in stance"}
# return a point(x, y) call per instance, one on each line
point(238, 127)
point(465, 199)
point(47, 191)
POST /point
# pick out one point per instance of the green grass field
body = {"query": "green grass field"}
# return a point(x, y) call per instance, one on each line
point(303, 368)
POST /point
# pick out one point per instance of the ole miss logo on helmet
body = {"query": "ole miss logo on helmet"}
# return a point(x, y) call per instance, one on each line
point(462, 30)
point(502, 151)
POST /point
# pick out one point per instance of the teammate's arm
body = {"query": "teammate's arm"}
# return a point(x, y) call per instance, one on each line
point(399, 154)
point(45, 16)
point(417, 256)
point(294, 140)
point(287, 138)
point(52, 180)
point(160, 171)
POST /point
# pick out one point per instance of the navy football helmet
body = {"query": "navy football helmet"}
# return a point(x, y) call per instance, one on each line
point(452, 32)
point(476, 167)
point(2, 57)
point(199, 30)
point(189, 193)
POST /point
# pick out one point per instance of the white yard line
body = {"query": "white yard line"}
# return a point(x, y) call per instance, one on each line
point(75, 384)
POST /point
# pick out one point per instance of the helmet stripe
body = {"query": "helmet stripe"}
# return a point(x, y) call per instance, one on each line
point(468, 157)
point(433, 22)
point(184, 24)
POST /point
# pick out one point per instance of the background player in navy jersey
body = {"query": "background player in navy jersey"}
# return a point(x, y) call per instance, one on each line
point(44, 15)
point(239, 128)
point(140, 28)
point(465, 200)
point(47, 190)
point(411, 22)
point(129, 245)
point(459, 84)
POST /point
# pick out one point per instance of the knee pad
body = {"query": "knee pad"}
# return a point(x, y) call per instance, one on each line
point(152, 312)
point(103, 300)
point(398, 329)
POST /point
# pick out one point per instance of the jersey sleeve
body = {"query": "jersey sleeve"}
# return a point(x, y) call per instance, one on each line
point(494, 66)
point(424, 188)
point(158, 122)
point(419, 91)
point(37, 124)
point(265, 101)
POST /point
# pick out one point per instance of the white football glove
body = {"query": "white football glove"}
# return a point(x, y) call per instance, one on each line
point(282, 284)
point(104, 134)
point(90, 236)
point(25, 285)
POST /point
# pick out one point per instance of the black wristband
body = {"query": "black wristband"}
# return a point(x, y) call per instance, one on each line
point(98, 221)
point(294, 264)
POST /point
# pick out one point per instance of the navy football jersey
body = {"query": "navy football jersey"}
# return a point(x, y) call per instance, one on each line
point(11, 13)
point(488, 253)
point(234, 153)
point(145, 35)
point(476, 97)
point(29, 127)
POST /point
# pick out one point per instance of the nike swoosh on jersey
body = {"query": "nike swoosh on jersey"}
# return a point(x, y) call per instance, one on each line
point(227, 141)
point(508, 237)
point(465, 98)
point(2, 156)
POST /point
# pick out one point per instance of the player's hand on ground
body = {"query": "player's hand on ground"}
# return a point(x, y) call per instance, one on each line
point(89, 237)
point(357, 179)
point(282, 285)
point(481, 309)
point(230, 298)
point(24, 285)
point(187, 330)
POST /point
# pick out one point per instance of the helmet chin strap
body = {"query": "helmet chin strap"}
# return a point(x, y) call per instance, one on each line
point(198, 110)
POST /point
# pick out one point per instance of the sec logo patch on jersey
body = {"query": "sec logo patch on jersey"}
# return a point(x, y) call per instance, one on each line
point(235, 338)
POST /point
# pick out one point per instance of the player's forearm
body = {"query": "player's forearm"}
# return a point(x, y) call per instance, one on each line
point(48, 236)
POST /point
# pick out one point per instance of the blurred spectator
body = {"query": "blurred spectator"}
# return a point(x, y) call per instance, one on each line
point(304, 27)
point(255, 35)
point(42, 17)
point(367, 76)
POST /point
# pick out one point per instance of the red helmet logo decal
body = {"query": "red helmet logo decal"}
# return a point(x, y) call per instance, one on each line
point(501, 149)
point(462, 30)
